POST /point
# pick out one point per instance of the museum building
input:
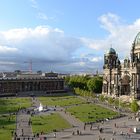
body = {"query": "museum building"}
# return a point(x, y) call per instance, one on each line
point(26, 82)
point(122, 78)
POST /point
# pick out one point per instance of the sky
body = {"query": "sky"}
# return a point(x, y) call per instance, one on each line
point(65, 36)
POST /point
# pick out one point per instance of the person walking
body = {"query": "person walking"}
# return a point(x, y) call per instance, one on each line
point(54, 135)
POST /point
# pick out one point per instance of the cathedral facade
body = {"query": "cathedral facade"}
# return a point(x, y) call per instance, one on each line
point(122, 78)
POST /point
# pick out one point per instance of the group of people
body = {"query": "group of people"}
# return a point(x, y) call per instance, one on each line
point(78, 132)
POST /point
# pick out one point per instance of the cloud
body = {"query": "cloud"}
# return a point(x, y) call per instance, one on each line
point(96, 59)
point(42, 16)
point(5, 49)
point(110, 22)
point(7, 63)
point(44, 45)
point(34, 4)
point(120, 35)
point(51, 49)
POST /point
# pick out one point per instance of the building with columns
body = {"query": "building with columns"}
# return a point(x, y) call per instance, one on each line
point(15, 83)
point(122, 78)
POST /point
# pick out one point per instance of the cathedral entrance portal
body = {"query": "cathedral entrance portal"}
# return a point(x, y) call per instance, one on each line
point(125, 85)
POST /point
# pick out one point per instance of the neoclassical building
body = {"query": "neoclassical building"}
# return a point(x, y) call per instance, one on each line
point(122, 78)
point(30, 82)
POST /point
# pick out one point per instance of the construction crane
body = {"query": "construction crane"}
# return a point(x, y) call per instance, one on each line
point(30, 65)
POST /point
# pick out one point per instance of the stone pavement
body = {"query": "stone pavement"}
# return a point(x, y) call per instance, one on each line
point(109, 130)
point(123, 125)
point(71, 119)
point(23, 123)
point(23, 128)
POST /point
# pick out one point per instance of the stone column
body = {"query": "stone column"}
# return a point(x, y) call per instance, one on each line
point(135, 85)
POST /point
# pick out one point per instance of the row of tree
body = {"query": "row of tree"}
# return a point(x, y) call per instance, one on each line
point(88, 86)
point(92, 84)
point(84, 93)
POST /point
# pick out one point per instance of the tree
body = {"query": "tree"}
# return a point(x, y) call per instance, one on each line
point(134, 106)
point(95, 84)
point(102, 98)
point(90, 84)
point(67, 79)
point(116, 102)
point(110, 100)
point(77, 82)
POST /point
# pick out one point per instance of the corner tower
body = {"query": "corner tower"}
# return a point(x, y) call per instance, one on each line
point(111, 69)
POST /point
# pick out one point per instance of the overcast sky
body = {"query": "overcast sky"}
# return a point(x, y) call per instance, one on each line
point(67, 36)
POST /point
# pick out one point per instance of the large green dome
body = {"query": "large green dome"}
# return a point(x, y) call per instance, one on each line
point(137, 39)
point(111, 51)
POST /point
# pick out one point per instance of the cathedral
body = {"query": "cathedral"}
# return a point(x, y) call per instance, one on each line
point(122, 78)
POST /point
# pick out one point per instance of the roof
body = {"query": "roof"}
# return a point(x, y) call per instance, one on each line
point(137, 39)
point(111, 51)
point(30, 78)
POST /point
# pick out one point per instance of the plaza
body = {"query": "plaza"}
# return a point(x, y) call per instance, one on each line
point(119, 128)
point(69, 70)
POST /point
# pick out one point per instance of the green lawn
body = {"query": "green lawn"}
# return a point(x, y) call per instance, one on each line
point(7, 125)
point(48, 123)
point(61, 101)
point(12, 104)
point(91, 112)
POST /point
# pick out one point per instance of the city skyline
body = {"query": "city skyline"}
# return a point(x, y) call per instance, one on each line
point(65, 36)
